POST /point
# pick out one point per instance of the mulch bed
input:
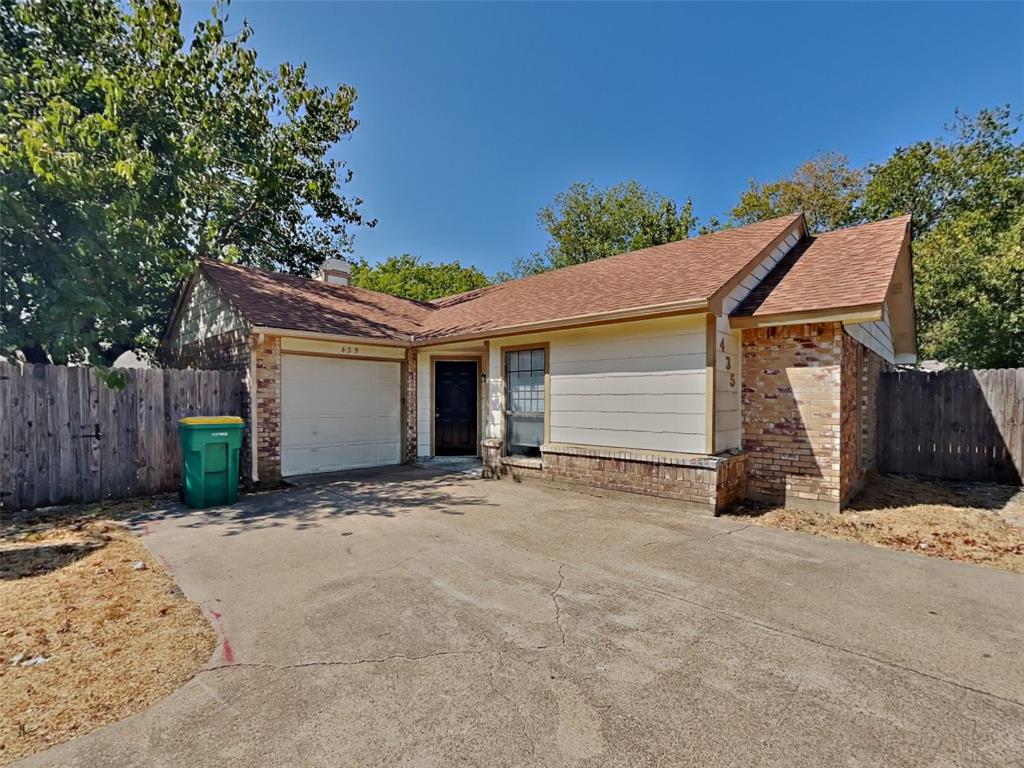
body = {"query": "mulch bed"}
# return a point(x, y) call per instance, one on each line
point(970, 522)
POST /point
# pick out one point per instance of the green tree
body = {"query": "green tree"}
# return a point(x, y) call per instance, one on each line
point(126, 154)
point(965, 191)
point(412, 278)
point(825, 188)
point(586, 223)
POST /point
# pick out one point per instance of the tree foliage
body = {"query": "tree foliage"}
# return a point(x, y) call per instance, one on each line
point(412, 278)
point(127, 154)
point(586, 223)
point(965, 191)
point(825, 188)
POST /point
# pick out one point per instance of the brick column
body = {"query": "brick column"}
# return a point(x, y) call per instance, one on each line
point(792, 427)
point(411, 425)
point(268, 408)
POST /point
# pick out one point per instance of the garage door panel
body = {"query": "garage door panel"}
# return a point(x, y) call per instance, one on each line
point(338, 414)
point(305, 431)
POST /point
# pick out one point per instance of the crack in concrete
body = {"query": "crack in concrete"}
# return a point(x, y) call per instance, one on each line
point(832, 646)
point(343, 662)
point(519, 712)
point(554, 599)
point(561, 645)
point(730, 532)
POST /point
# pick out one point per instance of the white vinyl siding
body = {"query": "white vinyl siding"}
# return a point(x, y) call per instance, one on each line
point(760, 271)
point(638, 386)
point(338, 413)
point(494, 424)
point(875, 336)
point(728, 360)
point(205, 314)
point(424, 416)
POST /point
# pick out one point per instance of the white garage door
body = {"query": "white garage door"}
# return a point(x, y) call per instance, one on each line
point(338, 414)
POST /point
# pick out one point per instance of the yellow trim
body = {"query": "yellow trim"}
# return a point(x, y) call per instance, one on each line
point(651, 312)
point(719, 296)
point(864, 313)
point(710, 368)
point(546, 346)
point(453, 358)
point(211, 420)
point(341, 349)
point(682, 455)
point(292, 333)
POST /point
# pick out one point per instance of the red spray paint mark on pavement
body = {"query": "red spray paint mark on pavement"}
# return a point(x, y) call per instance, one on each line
point(226, 649)
point(229, 652)
point(166, 563)
point(148, 526)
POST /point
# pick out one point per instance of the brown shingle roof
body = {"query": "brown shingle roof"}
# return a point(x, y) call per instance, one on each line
point(685, 271)
point(274, 300)
point(845, 268)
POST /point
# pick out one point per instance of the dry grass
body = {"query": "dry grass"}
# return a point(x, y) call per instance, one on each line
point(970, 522)
point(116, 639)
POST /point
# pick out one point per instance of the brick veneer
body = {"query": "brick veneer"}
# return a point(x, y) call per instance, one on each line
point(872, 367)
point(791, 406)
point(850, 476)
point(226, 352)
point(268, 408)
point(809, 403)
point(712, 482)
point(411, 424)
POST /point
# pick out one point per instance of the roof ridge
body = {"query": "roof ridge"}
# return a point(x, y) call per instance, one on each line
point(319, 284)
point(792, 217)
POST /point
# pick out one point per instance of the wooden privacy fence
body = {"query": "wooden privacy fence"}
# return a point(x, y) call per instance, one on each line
point(66, 437)
point(960, 425)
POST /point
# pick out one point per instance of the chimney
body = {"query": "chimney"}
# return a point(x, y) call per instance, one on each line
point(335, 272)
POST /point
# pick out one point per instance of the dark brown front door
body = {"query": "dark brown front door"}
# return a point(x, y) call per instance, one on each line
point(455, 407)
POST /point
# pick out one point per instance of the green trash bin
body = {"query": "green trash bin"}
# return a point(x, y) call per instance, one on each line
point(209, 448)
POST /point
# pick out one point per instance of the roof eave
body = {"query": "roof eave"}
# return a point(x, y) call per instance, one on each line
point(576, 321)
point(716, 300)
point(303, 334)
point(862, 313)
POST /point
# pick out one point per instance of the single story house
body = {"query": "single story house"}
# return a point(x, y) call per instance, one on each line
point(740, 363)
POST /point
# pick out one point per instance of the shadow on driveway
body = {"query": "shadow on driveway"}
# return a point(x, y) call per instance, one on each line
point(378, 492)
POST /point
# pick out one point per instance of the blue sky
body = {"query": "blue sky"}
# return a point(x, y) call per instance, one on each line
point(473, 116)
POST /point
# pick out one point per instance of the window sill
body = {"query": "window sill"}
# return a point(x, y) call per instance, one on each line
point(523, 462)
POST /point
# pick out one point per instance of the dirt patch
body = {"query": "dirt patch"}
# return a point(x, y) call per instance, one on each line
point(89, 635)
point(970, 522)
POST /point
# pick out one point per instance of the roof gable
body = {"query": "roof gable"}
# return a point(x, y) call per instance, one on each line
point(845, 269)
point(840, 270)
point(274, 300)
point(664, 276)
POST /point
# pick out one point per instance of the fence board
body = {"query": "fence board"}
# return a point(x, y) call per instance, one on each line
point(65, 436)
point(961, 425)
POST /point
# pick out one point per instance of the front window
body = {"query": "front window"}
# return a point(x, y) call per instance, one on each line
point(524, 401)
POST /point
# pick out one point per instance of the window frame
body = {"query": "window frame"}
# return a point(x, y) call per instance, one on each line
point(505, 410)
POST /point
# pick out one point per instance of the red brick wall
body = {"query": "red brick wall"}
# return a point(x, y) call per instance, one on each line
point(872, 367)
point(809, 408)
point(713, 482)
point(851, 477)
point(268, 408)
point(411, 434)
point(791, 410)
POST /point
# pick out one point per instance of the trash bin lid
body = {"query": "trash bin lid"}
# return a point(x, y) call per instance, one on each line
point(210, 420)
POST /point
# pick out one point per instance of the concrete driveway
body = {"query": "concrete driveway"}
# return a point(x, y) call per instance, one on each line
point(407, 618)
